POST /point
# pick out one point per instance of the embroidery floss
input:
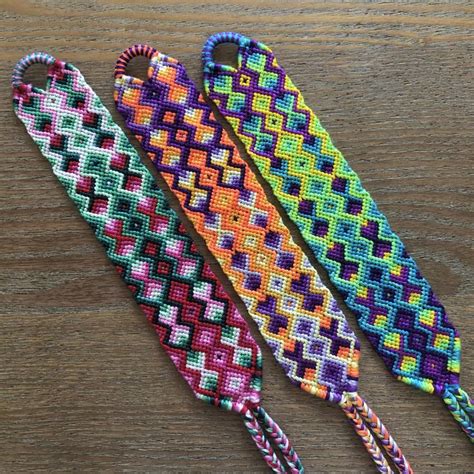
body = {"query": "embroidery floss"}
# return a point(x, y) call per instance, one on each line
point(295, 312)
point(197, 324)
point(351, 238)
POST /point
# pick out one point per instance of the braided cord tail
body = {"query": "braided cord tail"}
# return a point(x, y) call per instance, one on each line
point(461, 407)
point(366, 437)
point(379, 429)
point(466, 402)
point(280, 439)
point(263, 445)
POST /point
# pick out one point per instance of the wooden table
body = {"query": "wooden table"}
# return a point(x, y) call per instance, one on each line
point(84, 385)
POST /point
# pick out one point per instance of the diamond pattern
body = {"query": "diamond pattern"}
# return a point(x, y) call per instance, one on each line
point(228, 207)
point(143, 237)
point(324, 197)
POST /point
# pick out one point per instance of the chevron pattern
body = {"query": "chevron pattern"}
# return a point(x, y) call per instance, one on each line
point(295, 312)
point(352, 239)
point(197, 324)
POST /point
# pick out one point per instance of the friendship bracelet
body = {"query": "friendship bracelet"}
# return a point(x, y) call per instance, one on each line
point(395, 306)
point(296, 314)
point(197, 324)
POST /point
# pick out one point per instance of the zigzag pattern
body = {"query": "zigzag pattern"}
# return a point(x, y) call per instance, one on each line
point(295, 312)
point(197, 324)
point(352, 239)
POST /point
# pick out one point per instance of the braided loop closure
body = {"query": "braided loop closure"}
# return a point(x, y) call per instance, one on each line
point(367, 262)
point(212, 42)
point(295, 312)
point(24, 63)
point(373, 422)
point(198, 325)
point(461, 407)
point(279, 438)
point(129, 54)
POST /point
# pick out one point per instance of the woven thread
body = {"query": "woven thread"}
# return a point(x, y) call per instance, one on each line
point(394, 304)
point(198, 325)
point(296, 314)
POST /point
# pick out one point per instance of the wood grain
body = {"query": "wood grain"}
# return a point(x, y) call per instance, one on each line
point(84, 384)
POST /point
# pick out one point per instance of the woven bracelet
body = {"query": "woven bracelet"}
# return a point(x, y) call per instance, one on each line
point(296, 314)
point(394, 304)
point(197, 324)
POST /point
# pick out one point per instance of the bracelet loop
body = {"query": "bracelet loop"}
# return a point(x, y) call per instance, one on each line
point(129, 54)
point(213, 41)
point(24, 63)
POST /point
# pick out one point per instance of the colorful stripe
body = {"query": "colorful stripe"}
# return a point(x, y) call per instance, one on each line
point(394, 304)
point(197, 324)
point(296, 314)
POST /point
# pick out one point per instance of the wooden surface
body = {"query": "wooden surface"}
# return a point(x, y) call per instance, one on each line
point(84, 385)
